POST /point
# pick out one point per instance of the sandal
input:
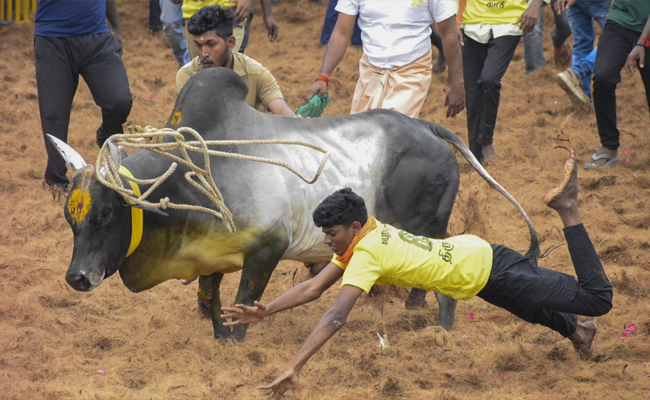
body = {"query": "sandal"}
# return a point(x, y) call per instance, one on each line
point(611, 160)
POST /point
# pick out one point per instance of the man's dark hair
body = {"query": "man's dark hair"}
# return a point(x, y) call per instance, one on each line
point(342, 207)
point(212, 18)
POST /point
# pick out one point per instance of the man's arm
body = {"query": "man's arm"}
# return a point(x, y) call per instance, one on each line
point(242, 10)
point(341, 36)
point(331, 322)
point(528, 19)
point(300, 294)
point(113, 19)
point(455, 100)
point(280, 107)
point(269, 21)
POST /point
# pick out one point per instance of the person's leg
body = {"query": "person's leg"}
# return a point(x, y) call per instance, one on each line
point(247, 30)
point(614, 45)
point(547, 297)
point(356, 33)
point(191, 47)
point(108, 83)
point(582, 26)
point(436, 40)
point(499, 54)
point(474, 54)
point(534, 46)
point(172, 21)
point(559, 34)
point(331, 15)
point(155, 24)
point(56, 81)
point(406, 87)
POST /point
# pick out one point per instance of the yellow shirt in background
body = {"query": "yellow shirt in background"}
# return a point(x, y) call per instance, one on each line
point(262, 86)
point(458, 267)
point(191, 6)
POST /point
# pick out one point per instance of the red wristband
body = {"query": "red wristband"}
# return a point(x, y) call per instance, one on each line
point(323, 78)
point(646, 42)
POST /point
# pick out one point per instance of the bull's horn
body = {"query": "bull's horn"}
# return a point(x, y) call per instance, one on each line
point(74, 160)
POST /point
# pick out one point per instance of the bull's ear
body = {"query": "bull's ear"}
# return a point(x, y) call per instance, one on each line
point(74, 160)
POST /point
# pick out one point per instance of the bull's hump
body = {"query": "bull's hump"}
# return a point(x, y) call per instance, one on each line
point(212, 86)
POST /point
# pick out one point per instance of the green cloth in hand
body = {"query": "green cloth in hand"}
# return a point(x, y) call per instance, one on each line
point(315, 107)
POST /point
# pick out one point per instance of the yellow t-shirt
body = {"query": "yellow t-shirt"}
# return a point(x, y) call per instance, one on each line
point(262, 86)
point(189, 7)
point(493, 11)
point(458, 267)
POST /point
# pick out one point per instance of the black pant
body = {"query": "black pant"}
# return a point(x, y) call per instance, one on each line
point(550, 298)
point(483, 67)
point(155, 24)
point(59, 62)
point(614, 45)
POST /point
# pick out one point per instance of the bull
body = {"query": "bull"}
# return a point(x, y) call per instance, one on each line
point(402, 166)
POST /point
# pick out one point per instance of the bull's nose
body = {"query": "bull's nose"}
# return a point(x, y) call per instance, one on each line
point(78, 281)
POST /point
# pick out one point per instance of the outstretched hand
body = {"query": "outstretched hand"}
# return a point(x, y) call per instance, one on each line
point(636, 55)
point(244, 314)
point(287, 381)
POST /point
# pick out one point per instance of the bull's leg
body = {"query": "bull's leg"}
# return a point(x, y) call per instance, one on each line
point(254, 279)
point(416, 299)
point(209, 293)
point(447, 310)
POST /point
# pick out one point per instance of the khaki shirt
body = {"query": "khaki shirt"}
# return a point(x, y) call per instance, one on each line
point(262, 86)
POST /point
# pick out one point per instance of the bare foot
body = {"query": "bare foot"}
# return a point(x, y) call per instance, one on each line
point(582, 339)
point(565, 196)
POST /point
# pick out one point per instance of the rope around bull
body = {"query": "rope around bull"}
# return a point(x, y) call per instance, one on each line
point(152, 139)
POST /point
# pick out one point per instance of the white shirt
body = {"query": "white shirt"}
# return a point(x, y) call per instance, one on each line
point(396, 32)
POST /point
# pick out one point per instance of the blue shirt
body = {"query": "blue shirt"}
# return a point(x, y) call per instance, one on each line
point(64, 18)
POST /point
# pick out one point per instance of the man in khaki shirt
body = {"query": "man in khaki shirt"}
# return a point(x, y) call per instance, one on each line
point(211, 27)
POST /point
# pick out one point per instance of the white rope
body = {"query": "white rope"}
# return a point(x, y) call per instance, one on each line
point(152, 139)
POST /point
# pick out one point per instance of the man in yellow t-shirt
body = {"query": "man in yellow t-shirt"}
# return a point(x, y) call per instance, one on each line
point(368, 252)
point(211, 29)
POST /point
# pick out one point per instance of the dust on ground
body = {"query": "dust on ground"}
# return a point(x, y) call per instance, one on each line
point(55, 341)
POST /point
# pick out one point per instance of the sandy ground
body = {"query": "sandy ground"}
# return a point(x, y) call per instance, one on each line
point(110, 343)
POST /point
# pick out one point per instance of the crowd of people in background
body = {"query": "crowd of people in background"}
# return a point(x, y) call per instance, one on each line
point(476, 41)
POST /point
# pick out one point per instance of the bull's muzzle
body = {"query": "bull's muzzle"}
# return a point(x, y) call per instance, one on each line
point(84, 281)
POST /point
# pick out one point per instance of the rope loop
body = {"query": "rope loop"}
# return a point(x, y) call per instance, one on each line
point(149, 138)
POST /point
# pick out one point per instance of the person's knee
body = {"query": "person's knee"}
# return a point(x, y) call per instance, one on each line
point(602, 303)
point(489, 82)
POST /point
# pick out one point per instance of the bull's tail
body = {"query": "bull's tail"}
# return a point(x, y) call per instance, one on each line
point(451, 138)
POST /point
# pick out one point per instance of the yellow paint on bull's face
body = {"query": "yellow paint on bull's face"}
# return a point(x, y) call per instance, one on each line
point(79, 205)
point(176, 117)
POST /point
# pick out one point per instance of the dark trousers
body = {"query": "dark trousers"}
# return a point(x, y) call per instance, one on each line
point(483, 67)
point(155, 24)
point(614, 45)
point(550, 298)
point(59, 62)
point(331, 16)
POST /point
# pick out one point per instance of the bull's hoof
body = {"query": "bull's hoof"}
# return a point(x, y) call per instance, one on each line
point(417, 299)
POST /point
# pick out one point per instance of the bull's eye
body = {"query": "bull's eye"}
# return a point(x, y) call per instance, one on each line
point(105, 213)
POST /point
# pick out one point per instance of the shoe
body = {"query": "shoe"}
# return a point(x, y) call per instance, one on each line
point(610, 161)
point(569, 82)
point(563, 56)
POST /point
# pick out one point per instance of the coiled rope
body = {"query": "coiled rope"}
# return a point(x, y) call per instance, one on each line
point(149, 138)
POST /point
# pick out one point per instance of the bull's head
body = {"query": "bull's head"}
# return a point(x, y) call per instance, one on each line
point(100, 220)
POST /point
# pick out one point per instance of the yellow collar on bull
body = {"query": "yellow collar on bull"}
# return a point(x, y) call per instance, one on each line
point(136, 215)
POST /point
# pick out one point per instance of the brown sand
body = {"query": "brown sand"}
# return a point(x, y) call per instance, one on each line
point(152, 345)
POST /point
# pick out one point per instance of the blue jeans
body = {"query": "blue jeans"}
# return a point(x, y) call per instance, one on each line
point(172, 20)
point(534, 40)
point(581, 15)
point(330, 20)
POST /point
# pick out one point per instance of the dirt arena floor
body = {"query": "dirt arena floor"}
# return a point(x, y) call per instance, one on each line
point(56, 343)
